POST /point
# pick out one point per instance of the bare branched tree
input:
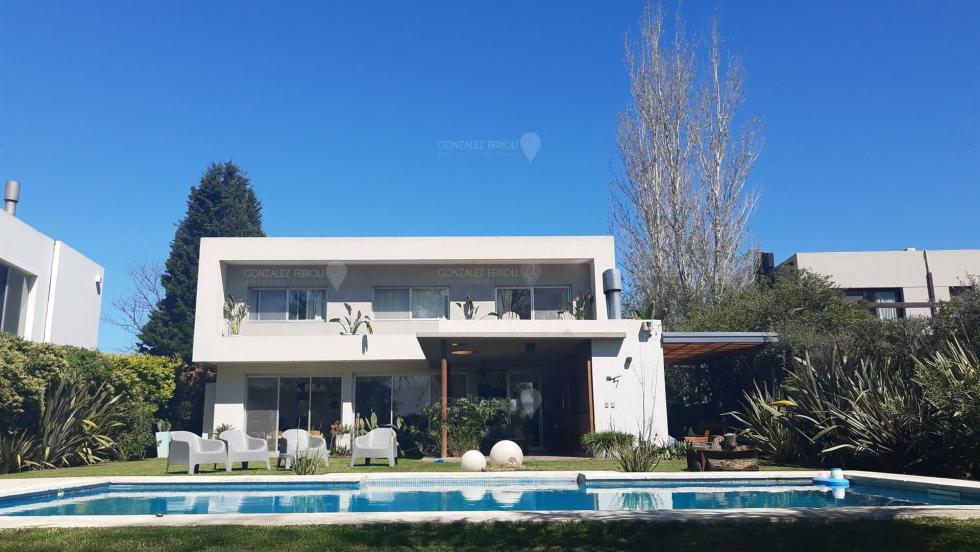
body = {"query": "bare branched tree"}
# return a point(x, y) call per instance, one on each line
point(131, 312)
point(681, 206)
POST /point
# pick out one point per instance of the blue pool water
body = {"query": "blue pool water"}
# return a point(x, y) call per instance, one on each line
point(529, 495)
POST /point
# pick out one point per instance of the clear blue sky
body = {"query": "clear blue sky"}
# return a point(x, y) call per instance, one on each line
point(341, 115)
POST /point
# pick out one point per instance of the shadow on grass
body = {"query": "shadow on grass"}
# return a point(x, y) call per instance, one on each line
point(759, 535)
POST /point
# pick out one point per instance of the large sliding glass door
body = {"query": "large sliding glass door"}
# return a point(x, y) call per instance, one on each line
point(274, 404)
point(525, 395)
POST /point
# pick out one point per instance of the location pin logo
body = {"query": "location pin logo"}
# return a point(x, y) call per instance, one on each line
point(336, 273)
point(530, 144)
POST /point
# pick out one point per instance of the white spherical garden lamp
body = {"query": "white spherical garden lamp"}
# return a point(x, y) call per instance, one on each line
point(473, 461)
point(506, 453)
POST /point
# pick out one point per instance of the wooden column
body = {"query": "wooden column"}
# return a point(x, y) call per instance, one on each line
point(588, 377)
point(444, 378)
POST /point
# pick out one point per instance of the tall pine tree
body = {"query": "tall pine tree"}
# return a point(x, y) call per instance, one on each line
point(223, 204)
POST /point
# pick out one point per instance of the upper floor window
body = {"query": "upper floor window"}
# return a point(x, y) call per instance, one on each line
point(415, 302)
point(533, 303)
point(876, 295)
point(287, 304)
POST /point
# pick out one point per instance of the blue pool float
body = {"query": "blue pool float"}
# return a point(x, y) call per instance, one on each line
point(836, 479)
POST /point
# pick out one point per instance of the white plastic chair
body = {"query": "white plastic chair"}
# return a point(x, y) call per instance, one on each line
point(242, 448)
point(377, 443)
point(188, 449)
point(300, 442)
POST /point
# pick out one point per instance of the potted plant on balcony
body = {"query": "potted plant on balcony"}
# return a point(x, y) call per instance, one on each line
point(235, 312)
point(350, 324)
point(470, 309)
point(581, 306)
point(163, 438)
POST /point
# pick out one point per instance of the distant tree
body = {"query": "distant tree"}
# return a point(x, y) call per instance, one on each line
point(223, 204)
point(806, 309)
point(681, 208)
point(131, 312)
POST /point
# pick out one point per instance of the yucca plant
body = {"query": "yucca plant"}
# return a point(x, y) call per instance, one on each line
point(15, 452)
point(76, 425)
point(869, 410)
point(950, 382)
point(767, 425)
point(350, 324)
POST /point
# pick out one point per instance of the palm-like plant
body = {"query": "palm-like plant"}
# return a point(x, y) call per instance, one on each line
point(350, 324)
point(235, 311)
point(76, 424)
point(470, 309)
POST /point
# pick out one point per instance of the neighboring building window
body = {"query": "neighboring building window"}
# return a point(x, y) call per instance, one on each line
point(287, 304)
point(538, 303)
point(956, 291)
point(15, 287)
point(889, 295)
point(405, 303)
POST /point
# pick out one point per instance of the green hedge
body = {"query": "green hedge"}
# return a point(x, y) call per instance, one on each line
point(145, 382)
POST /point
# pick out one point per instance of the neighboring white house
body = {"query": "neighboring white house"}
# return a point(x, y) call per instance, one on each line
point(899, 283)
point(49, 292)
point(290, 367)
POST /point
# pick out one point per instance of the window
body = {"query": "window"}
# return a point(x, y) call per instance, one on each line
point(405, 303)
point(287, 304)
point(871, 295)
point(539, 303)
point(274, 404)
point(15, 287)
point(400, 396)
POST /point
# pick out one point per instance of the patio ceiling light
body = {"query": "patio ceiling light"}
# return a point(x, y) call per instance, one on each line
point(462, 352)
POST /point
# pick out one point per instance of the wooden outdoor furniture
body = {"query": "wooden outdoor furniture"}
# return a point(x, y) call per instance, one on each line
point(698, 439)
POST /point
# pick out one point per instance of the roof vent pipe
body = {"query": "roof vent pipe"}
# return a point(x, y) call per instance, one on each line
point(612, 288)
point(11, 195)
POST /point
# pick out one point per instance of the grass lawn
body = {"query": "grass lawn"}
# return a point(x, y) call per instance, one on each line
point(892, 535)
point(341, 464)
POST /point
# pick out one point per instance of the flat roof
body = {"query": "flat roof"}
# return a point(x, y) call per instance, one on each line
point(689, 347)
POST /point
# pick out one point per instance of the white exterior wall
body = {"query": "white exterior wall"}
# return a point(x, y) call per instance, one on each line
point(896, 269)
point(65, 302)
point(628, 382)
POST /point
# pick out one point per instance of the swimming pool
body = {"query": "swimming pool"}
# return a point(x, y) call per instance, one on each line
point(449, 495)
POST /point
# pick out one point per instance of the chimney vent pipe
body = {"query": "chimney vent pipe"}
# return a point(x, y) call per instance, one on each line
point(11, 196)
point(612, 287)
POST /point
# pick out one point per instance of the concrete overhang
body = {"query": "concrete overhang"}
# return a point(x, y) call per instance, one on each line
point(525, 329)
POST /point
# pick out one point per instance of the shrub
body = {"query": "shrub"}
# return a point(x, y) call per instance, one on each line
point(144, 384)
point(602, 443)
point(644, 457)
point(307, 463)
point(862, 413)
point(469, 421)
point(15, 452)
point(763, 417)
point(76, 424)
point(950, 382)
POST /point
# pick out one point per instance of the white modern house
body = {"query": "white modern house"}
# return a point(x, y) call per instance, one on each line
point(895, 284)
point(49, 293)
